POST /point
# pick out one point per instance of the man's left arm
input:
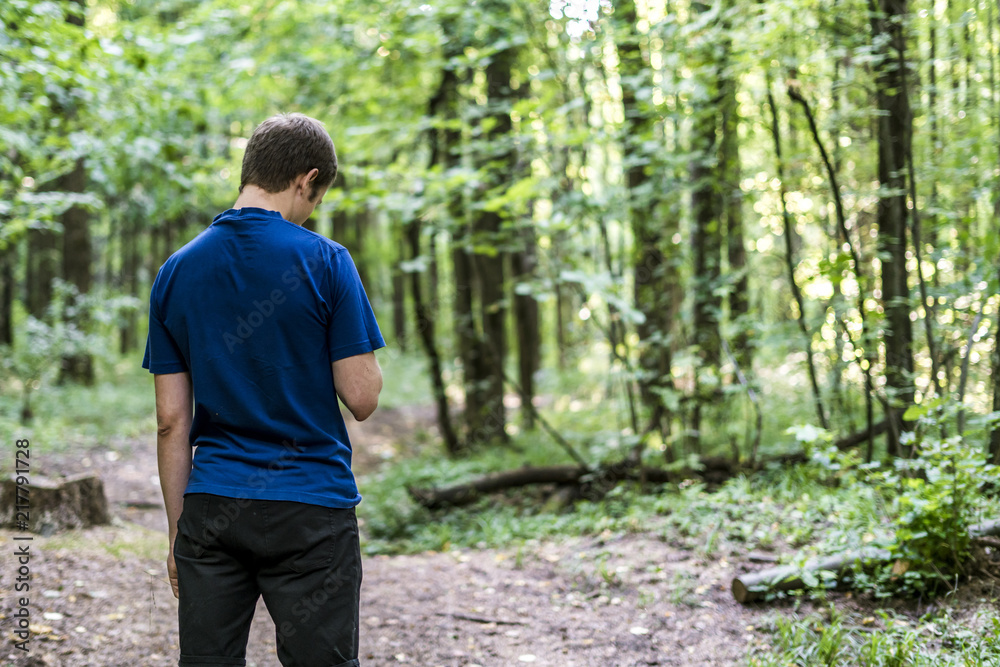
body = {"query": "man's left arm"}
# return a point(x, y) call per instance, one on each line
point(174, 399)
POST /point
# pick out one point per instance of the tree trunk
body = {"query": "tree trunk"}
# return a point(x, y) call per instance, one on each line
point(399, 296)
point(894, 128)
point(940, 381)
point(128, 333)
point(790, 261)
point(524, 263)
point(706, 242)
point(564, 321)
point(469, 350)
point(425, 318)
point(864, 341)
point(756, 585)
point(655, 275)
point(498, 163)
point(448, 111)
point(732, 202)
point(353, 228)
point(43, 265)
point(77, 270)
point(7, 259)
point(994, 444)
point(706, 234)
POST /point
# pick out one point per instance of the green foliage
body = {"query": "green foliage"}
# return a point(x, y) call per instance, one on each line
point(35, 359)
point(933, 499)
point(74, 324)
point(924, 504)
point(934, 505)
point(75, 418)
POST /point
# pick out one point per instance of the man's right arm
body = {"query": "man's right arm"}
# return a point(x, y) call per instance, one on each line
point(358, 381)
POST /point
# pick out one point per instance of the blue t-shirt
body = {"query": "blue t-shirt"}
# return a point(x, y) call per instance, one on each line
point(256, 308)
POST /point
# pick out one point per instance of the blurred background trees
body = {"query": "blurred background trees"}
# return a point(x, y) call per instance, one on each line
point(657, 195)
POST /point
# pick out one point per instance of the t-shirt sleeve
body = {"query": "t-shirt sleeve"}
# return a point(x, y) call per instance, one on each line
point(352, 329)
point(163, 356)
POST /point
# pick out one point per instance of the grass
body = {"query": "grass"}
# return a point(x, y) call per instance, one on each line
point(132, 541)
point(884, 640)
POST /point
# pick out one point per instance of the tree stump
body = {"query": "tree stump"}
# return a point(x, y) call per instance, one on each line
point(55, 505)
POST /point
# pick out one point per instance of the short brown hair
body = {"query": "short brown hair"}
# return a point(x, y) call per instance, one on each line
point(286, 146)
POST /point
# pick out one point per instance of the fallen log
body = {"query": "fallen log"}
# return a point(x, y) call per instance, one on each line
point(47, 506)
point(463, 494)
point(757, 585)
point(855, 439)
point(711, 470)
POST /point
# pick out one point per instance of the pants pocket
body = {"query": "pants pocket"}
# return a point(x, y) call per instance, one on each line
point(316, 539)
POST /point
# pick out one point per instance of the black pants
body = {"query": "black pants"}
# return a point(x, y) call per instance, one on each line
point(304, 559)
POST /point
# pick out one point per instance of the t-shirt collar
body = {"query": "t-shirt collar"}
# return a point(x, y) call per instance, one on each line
point(248, 213)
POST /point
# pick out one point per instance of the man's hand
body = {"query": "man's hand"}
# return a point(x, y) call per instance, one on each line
point(172, 571)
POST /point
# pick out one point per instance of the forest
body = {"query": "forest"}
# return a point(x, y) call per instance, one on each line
point(692, 314)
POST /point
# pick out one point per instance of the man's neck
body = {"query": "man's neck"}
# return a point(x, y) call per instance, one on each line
point(255, 197)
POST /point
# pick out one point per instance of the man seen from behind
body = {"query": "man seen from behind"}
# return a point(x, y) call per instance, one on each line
point(255, 328)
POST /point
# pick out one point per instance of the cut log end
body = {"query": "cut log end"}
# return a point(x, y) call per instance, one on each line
point(740, 592)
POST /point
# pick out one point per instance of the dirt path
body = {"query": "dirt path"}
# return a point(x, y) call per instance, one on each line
point(99, 597)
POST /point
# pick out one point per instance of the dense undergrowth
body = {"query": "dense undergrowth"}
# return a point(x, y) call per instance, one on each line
point(915, 507)
point(919, 508)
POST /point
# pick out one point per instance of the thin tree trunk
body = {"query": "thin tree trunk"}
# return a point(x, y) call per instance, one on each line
point(706, 244)
point(433, 267)
point(425, 329)
point(994, 444)
point(564, 319)
point(865, 343)
point(399, 295)
point(706, 236)
point(790, 263)
point(729, 159)
point(654, 274)
point(524, 263)
point(928, 304)
point(129, 281)
point(446, 104)
point(364, 230)
point(7, 286)
point(940, 381)
point(42, 269)
point(77, 270)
